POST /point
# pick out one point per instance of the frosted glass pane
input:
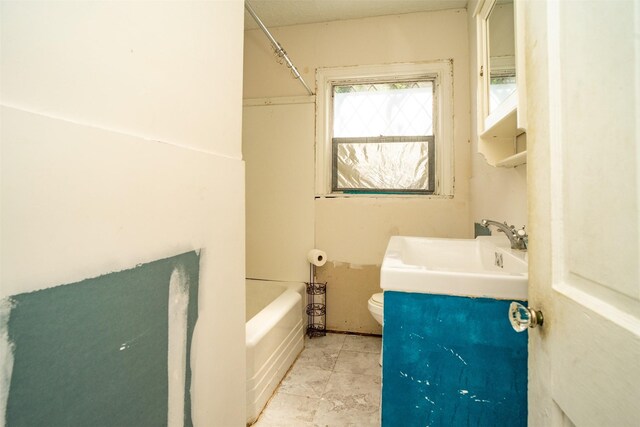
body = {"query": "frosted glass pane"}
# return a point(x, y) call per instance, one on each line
point(383, 109)
point(500, 89)
point(383, 166)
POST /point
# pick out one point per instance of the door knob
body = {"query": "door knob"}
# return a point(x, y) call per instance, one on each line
point(522, 317)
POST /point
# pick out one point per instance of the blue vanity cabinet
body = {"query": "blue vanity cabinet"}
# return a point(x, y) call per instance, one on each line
point(451, 361)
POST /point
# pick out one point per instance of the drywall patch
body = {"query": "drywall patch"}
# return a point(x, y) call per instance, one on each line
point(96, 352)
point(349, 288)
point(178, 336)
point(6, 356)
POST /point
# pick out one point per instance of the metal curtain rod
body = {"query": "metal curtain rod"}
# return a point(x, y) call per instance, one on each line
point(279, 50)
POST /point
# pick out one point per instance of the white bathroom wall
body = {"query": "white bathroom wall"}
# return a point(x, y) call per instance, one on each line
point(130, 67)
point(278, 151)
point(120, 145)
point(354, 231)
point(495, 193)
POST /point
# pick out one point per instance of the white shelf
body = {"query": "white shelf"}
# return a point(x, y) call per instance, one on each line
point(513, 161)
point(500, 141)
point(502, 123)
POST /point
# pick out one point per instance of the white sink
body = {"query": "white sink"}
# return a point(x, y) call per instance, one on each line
point(464, 267)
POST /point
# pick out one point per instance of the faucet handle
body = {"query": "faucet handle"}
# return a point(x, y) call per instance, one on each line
point(521, 232)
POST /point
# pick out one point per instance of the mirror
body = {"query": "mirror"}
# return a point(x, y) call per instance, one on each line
point(502, 53)
point(501, 103)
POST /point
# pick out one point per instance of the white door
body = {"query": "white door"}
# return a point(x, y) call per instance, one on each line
point(583, 85)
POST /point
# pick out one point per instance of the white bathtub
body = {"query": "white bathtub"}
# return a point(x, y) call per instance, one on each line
point(275, 337)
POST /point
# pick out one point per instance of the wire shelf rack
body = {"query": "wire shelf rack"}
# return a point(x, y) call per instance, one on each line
point(316, 309)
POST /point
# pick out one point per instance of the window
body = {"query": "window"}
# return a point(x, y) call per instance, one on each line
point(385, 130)
point(383, 137)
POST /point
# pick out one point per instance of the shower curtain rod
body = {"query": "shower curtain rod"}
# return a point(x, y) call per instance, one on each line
point(279, 50)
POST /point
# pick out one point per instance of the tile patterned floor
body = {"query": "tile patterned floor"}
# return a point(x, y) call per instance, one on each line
point(334, 383)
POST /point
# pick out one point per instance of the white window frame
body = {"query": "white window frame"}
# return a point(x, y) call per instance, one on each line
point(442, 73)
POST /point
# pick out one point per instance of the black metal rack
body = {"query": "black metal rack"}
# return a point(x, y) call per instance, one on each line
point(316, 306)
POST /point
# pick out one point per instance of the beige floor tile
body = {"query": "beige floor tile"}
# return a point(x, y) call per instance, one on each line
point(331, 415)
point(350, 400)
point(302, 381)
point(353, 390)
point(287, 410)
point(334, 383)
point(332, 341)
point(318, 358)
point(356, 362)
point(288, 423)
point(362, 343)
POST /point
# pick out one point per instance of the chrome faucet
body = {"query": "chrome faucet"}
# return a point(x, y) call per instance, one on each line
point(518, 238)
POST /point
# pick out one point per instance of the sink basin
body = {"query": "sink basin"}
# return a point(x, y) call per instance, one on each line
point(481, 267)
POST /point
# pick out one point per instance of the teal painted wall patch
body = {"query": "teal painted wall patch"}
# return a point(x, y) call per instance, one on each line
point(98, 353)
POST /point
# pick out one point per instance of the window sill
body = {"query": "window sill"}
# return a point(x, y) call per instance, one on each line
point(384, 196)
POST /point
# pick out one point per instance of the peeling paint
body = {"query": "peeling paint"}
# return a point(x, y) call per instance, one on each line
point(453, 353)
point(127, 344)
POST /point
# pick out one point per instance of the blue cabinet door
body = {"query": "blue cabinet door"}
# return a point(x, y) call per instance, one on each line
point(451, 361)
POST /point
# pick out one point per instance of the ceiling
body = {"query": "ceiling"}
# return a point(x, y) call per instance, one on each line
point(278, 13)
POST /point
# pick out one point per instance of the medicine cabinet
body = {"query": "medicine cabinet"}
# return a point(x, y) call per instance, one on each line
point(501, 89)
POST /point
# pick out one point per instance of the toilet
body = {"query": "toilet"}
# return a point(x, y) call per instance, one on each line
point(375, 306)
point(376, 310)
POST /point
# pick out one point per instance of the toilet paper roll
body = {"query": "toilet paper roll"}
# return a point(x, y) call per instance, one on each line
point(317, 257)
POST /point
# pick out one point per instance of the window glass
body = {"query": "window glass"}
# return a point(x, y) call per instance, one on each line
point(501, 87)
point(387, 109)
point(385, 166)
point(383, 137)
